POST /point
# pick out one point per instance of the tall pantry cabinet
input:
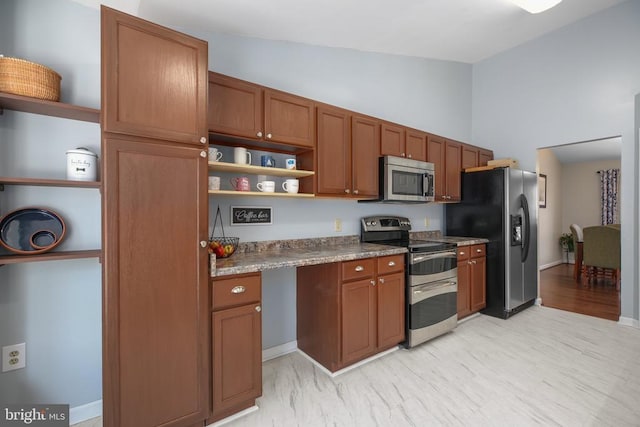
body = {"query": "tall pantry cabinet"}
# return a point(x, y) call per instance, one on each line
point(154, 201)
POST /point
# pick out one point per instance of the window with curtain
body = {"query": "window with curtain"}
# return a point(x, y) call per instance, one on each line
point(609, 196)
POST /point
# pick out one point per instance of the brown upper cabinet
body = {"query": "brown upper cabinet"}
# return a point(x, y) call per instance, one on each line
point(141, 93)
point(470, 156)
point(245, 110)
point(446, 155)
point(396, 140)
point(347, 153)
point(484, 156)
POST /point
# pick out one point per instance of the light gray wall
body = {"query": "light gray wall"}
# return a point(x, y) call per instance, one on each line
point(575, 84)
point(55, 307)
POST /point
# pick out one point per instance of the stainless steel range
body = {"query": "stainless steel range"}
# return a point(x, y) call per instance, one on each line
point(431, 277)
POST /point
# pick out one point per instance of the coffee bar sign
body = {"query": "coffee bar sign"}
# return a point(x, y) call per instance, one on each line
point(251, 215)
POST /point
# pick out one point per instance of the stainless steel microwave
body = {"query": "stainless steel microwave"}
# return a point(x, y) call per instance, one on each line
point(406, 180)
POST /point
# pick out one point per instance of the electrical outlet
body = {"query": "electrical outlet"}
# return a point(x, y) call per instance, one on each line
point(14, 357)
point(426, 221)
point(337, 225)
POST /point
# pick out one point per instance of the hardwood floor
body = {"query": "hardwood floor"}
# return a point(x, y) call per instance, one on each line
point(559, 290)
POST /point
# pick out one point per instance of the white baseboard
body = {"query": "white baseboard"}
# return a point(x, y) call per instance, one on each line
point(628, 321)
point(81, 413)
point(551, 264)
point(279, 350)
point(234, 416)
point(348, 368)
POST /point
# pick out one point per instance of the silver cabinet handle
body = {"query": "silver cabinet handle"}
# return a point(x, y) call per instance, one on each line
point(479, 251)
point(381, 280)
point(359, 268)
point(203, 243)
point(409, 156)
point(346, 190)
point(268, 136)
point(373, 282)
point(355, 191)
point(392, 264)
point(403, 155)
point(203, 154)
point(461, 253)
point(258, 308)
point(203, 140)
point(238, 290)
point(259, 134)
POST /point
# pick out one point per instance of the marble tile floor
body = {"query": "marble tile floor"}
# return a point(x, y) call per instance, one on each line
point(542, 367)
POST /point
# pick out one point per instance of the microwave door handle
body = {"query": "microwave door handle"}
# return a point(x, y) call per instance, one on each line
point(425, 184)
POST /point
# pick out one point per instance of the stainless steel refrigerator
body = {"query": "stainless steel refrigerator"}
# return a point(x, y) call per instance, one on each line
point(500, 205)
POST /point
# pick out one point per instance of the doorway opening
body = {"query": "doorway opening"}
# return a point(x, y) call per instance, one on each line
point(572, 196)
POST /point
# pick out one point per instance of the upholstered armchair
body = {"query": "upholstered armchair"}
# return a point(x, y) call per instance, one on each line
point(601, 252)
point(576, 231)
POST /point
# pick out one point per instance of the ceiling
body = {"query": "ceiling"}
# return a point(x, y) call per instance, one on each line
point(589, 151)
point(457, 30)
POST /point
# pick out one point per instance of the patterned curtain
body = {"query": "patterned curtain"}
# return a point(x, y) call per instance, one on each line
point(609, 196)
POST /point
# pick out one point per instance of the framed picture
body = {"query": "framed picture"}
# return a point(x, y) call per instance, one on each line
point(542, 190)
point(251, 215)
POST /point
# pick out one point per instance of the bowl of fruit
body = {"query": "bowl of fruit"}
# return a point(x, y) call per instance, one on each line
point(223, 247)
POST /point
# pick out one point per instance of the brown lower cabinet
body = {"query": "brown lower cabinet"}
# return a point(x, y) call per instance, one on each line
point(472, 282)
point(236, 337)
point(348, 311)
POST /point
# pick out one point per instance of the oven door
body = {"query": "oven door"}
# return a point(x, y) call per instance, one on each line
point(432, 266)
point(432, 303)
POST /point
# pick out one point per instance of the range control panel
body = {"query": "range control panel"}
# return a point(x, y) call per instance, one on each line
point(385, 223)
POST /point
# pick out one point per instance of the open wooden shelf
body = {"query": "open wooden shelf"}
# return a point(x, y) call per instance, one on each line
point(42, 182)
point(258, 193)
point(49, 256)
point(258, 170)
point(48, 108)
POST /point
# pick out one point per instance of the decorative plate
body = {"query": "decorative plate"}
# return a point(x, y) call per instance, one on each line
point(31, 230)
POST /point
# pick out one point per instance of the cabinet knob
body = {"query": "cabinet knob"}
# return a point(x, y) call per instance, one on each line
point(409, 156)
point(479, 251)
point(461, 253)
point(203, 154)
point(268, 136)
point(203, 140)
point(381, 280)
point(355, 191)
point(392, 264)
point(403, 155)
point(238, 290)
point(346, 190)
point(259, 134)
point(359, 268)
point(258, 308)
point(373, 282)
point(203, 243)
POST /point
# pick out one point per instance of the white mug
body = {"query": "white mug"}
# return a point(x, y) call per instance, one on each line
point(214, 183)
point(241, 156)
point(214, 154)
point(290, 186)
point(290, 164)
point(267, 186)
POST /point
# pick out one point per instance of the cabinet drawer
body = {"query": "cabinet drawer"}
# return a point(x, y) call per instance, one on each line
point(464, 252)
point(390, 264)
point(477, 250)
point(235, 290)
point(358, 269)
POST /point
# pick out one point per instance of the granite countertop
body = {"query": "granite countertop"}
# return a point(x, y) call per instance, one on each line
point(258, 256)
point(460, 241)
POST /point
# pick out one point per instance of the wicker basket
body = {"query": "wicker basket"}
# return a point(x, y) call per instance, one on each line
point(25, 78)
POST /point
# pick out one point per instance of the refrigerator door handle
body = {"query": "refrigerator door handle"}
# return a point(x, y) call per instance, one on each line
point(527, 228)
